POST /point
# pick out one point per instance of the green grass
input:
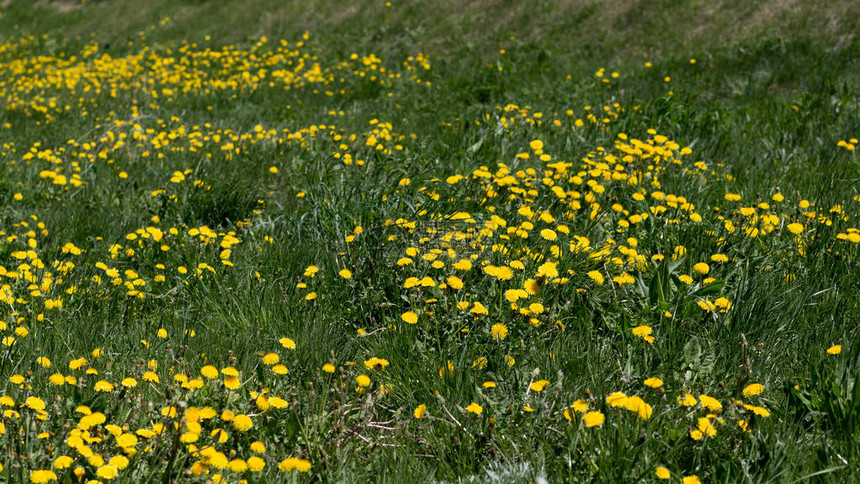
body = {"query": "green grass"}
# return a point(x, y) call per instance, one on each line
point(765, 112)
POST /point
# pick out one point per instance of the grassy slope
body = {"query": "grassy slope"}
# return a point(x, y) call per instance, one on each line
point(755, 64)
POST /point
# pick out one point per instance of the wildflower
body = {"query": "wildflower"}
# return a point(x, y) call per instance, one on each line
point(363, 381)
point(701, 268)
point(376, 364)
point(287, 343)
point(475, 408)
point(42, 476)
point(760, 411)
point(103, 386)
point(345, 273)
point(256, 464)
point(209, 372)
point(593, 419)
point(34, 403)
point(662, 473)
point(548, 269)
point(710, 403)
point(753, 390)
point(597, 277)
point(639, 407)
point(691, 480)
point(294, 464)
point(834, 350)
point(499, 331)
point(409, 317)
point(617, 399)
point(328, 368)
point(687, 400)
point(238, 465)
point(420, 411)
point(653, 382)
point(242, 423)
point(538, 386)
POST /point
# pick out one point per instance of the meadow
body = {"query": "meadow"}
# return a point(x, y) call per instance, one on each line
point(442, 241)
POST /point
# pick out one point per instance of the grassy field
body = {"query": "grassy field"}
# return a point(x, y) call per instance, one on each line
point(434, 241)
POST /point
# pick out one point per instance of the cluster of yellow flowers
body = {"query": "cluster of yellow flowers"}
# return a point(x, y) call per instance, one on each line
point(502, 258)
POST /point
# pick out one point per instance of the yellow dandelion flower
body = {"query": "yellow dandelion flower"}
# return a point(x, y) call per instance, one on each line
point(593, 419)
point(753, 390)
point(538, 386)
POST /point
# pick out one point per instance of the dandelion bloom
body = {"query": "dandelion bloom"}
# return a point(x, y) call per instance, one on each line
point(691, 480)
point(294, 464)
point(760, 411)
point(42, 476)
point(34, 403)
point(475, 408)
point(753, 390)
point(639, 407)
point(345, 273)
point(256, 464)
point(362, 381)
point(538, 386)
point(375, 364)
point(653, 382)
point(710, 403)
point(238, 465)
point(209, 372)
point(701, 268)
point(593, 419)
point(795, 228)
point(687, 400)
point(420, 411)
point(107, 472)
point(662, 473)
point(242, 423)
point(499, 331)
point(597, 277)
point(409, 317)
point(617, 399)
point(834, 350)
point(642, 331)
point(103, 386)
